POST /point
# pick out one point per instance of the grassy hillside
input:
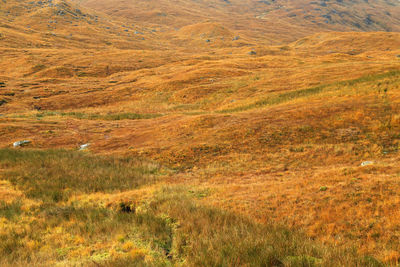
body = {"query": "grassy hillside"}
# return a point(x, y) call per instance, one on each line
point(72, 208)
point(61, 24)
point(270, 21)
point(207, 145)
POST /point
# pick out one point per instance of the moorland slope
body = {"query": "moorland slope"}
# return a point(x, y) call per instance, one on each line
point(239, 110)
point(272, 22)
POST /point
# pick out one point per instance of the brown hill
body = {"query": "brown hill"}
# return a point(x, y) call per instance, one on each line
point(62, 24)
point(276, 132)
point(276, 21)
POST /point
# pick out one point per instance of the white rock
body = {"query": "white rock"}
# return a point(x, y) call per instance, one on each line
point(84, 146)
point(21, 143)
point(366, 163)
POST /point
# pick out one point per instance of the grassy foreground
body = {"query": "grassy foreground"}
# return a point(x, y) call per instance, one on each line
point(72, 208)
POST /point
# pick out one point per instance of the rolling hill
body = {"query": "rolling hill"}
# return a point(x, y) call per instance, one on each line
point(274, 124)
point(270, 21)
point(61, 24)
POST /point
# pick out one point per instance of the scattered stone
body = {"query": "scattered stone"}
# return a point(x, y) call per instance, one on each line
point(236, 38)
point(3, 101)
point(366, 163)
point(126, 207)
point(208, 40)
point(21, 143)
point(84, 146)
point(252, 53)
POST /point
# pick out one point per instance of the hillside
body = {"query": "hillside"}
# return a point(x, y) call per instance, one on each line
point(227, 133)
point(61, 24)
point(273, 22)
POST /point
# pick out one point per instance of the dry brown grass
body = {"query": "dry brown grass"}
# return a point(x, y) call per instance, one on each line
point(150, 226)
point(279, 136)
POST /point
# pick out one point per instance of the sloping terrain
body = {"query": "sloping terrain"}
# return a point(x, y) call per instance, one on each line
point(378, 15)
point(61, 24)
point(273, 22)
point(198, 108)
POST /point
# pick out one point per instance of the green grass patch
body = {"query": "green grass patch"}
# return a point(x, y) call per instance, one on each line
point(111, 116)
point(56, 174)
point(90, 116)
point(94, 116)
point(10, 210)
point(288, 96)
point(92, 224)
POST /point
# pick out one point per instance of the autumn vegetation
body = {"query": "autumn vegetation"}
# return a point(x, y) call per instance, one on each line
point(209, 143)
point(70, 210)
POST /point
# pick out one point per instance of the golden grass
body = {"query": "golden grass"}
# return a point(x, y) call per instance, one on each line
point(278, 136)
point(150, 226)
